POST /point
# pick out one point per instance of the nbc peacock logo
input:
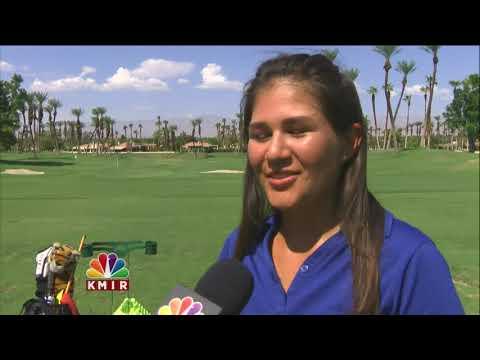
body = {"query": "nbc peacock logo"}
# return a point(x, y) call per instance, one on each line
point(183, 306)
point(107, 272)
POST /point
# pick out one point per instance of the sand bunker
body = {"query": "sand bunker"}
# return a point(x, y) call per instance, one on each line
point(223, 172)
point(22, 172)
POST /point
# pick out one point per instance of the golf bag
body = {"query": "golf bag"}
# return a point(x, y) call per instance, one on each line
point(55, 267)
point(39, 306)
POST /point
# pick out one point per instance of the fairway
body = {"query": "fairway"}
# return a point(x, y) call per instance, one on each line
point(172, 199)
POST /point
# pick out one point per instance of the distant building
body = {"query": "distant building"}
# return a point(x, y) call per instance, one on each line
point(120, 147)
point(92, 147)
point(200, 145)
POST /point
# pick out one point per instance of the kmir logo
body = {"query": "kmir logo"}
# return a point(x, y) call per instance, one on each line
point(107, 273)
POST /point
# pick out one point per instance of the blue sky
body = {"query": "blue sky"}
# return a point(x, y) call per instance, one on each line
point(138, 83)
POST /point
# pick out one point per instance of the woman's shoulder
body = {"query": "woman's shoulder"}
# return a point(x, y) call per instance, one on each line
point(228, 249)
point(425, 282)
point(229, 245)
point(404, 241)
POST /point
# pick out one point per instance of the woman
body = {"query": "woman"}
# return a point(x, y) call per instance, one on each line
point(314, 238)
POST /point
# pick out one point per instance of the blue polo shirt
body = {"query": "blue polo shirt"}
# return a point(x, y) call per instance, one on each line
point(414, 276)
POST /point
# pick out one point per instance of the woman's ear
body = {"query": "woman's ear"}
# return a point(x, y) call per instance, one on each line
point(354, 141)
point(357, 137)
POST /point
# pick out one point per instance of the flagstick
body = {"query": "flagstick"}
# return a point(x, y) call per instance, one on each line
point(71, 275)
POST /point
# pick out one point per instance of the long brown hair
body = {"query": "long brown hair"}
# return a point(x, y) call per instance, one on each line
point(362, 216)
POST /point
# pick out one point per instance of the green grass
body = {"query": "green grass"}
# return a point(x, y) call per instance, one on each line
point(167, 199)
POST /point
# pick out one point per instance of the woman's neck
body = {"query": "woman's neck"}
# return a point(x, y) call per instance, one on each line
point(310, 226)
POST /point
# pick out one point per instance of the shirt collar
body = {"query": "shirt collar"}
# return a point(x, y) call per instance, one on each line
point(274, 220)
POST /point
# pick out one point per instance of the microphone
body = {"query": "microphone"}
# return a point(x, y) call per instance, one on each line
point(224, 289)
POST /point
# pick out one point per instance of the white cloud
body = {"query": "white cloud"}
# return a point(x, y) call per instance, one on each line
point(5, 66)
point(65, 84)
point(414, 90)
point(125, 79)
point(146, 77)
point(162, 69)
point(212, 78)
point(183, 81)
point(443, 94)
point(87, 70)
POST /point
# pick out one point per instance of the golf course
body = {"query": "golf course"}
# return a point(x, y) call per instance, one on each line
point(172, 199)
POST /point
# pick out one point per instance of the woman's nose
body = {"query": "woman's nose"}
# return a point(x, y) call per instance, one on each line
point(278, 149)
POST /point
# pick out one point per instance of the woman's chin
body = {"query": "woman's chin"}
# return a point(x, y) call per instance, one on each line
point(282, 203)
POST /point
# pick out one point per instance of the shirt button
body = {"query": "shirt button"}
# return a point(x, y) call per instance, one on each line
point(304, 268)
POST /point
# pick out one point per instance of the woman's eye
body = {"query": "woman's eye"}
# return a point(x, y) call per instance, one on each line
point(297, 132)
point(259, 135)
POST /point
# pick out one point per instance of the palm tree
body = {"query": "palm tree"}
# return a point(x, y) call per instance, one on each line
point(424, 90)
point(71, 125)
point(199, 126)
point(240, 131)
point(173, 129)
point(140, 127)
point(437, 119)
point(41, 98)
point(455, 84)
point(330, 54)
point(125, 127)
point(65, 134)
point(49, 110)
point(387, 51)
point(77, 112)
point(234, 131)
point(98, 113)
point(131, 127)
point(136, 133)
point(224, 122)
point(388, 89)
point(53, 131)
point(227, 131)
point(79, 126)
point(408, 99)
point(96, 129)
point(59, 129)
point(54, 104)
point(352, 74)
point(23, 109)
point(372, 90)
point(433, 50)
point(158, 123)
point(112, 132)
point(194, 125)
point(218, 126)
point(165, 133)
point(107, 124)
point(406, 68)
point(366, 124)
point(418, 129)
point(31, 103)
point(101, 113)
point(102, 127)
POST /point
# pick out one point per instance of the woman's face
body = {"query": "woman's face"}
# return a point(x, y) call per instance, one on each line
point(292, 148)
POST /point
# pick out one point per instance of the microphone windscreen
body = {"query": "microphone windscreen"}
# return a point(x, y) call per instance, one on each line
point(227, 283)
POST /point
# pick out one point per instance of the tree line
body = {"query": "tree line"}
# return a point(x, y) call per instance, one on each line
point(28, 120)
